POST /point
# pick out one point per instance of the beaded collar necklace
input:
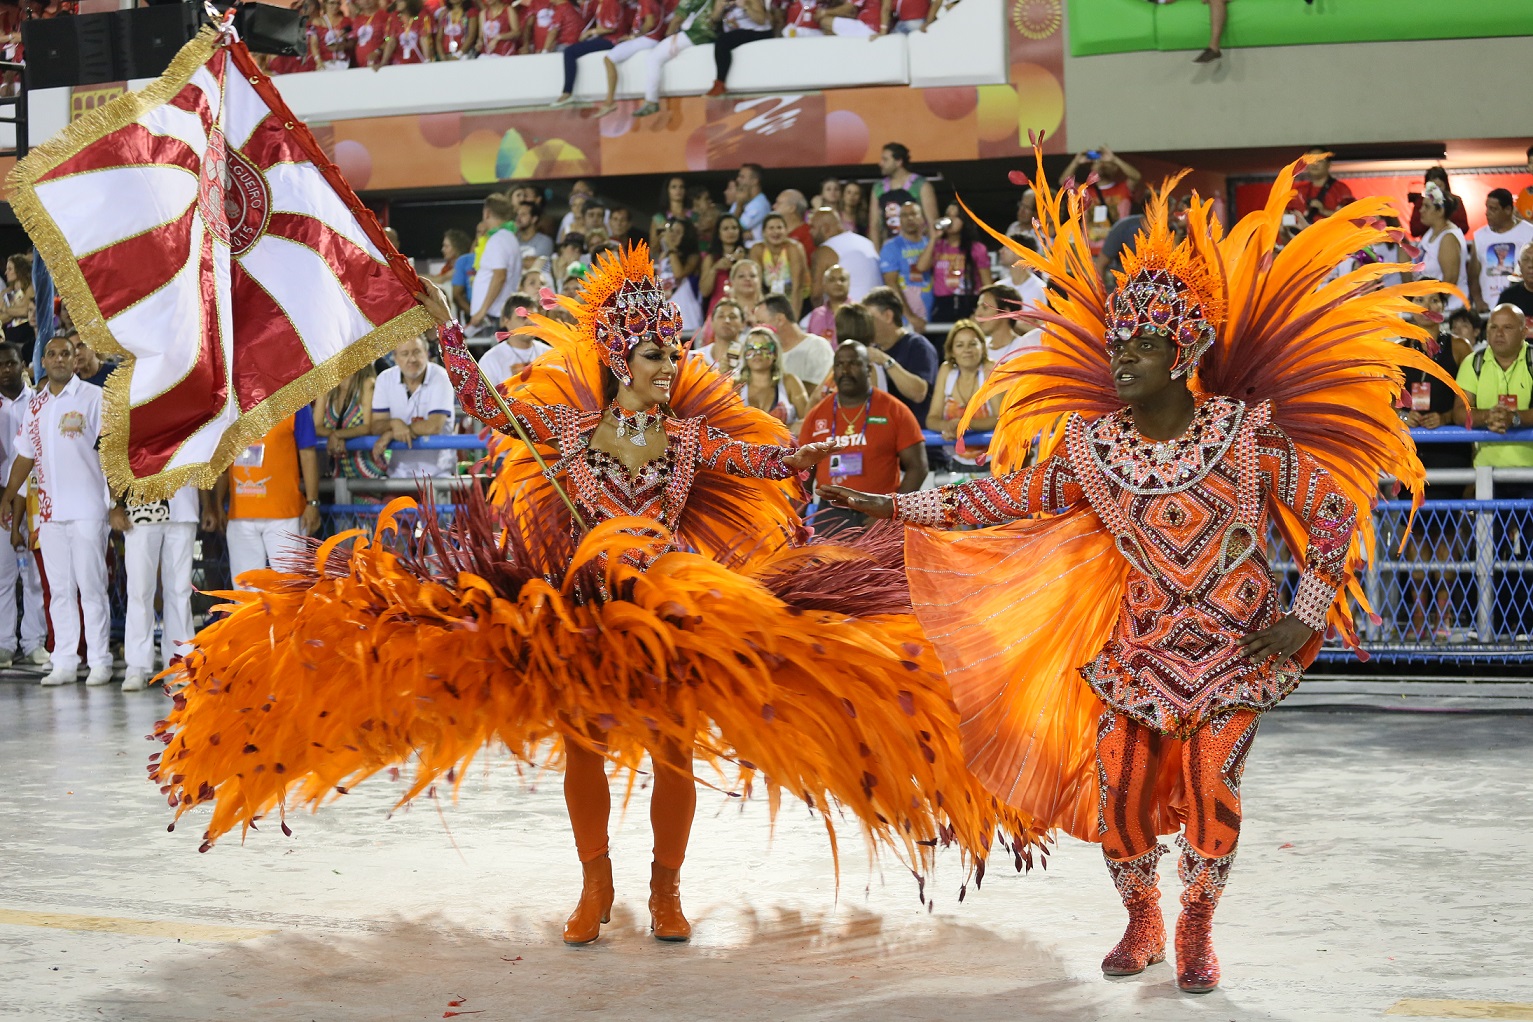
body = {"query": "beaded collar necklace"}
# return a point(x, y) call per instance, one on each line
point(638, 424)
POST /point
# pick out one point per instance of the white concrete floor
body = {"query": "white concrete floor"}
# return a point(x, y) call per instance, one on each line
point(1385, 868)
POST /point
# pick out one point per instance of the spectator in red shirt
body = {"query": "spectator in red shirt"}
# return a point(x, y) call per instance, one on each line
point(331, 38)
point(457, 30)
point(414, 39)
point(500, 30)
point(856, 19)
point(1459, 218)
point(877, 438)
point(792, 206)
point(1319, 194)
point(907, 16)
point(609, 23)
point(803, 18)
point(373, 27)
point(565, 24)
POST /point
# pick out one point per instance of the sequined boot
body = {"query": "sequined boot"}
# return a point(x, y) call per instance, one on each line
point(665, 915)
point(1203, 879)
point(1144, 941)
point(595, 905)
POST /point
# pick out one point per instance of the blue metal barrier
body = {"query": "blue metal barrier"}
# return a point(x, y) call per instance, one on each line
point(1461, 590)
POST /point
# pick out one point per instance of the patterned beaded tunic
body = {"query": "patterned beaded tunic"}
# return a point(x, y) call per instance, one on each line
point(1190, 516)
point(603, 487)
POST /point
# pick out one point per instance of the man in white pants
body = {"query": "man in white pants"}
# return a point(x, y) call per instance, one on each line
point(273, 492)
point(57, 444)
point(14, 395)
point(158, 538)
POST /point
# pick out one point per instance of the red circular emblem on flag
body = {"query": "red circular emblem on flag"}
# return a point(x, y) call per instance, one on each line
point(247, 202)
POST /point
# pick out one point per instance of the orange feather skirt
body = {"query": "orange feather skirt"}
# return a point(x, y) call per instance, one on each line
point(801, 672)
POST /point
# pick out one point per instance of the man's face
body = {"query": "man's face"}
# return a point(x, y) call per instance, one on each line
point(850, 370)
point(594, 216)
point(1525, 265)
point(1505, 332)
point(826, 223)
point(10, 369)
point(912, 220)
point(1497, 216)
point(410, 357)
point(727, 322)
point(762, 316)
point(1027, 207)
point(525, 217)
point(785, 206)
point(745, 180)
point(1319, 170)
point(838, 283)
point(84, 358)
point(59, 361)
point(619, 222)
point(887, 163)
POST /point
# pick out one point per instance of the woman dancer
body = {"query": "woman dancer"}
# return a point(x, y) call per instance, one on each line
point(660, 603)
point(1149, 577)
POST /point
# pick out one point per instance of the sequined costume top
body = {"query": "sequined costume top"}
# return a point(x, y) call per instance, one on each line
point(602, 486)
point(1190, 515)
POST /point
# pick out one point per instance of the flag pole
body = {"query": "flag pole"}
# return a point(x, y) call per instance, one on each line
point(532, 448)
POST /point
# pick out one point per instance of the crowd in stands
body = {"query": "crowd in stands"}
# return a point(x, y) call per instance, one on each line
point(868, 311)
point(343, 34)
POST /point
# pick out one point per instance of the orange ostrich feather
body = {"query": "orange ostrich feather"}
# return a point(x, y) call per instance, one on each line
point(429, 644)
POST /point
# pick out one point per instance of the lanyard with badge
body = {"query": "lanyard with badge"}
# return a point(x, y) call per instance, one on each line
point(847, 464)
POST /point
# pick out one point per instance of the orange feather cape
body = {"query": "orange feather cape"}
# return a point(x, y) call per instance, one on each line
point(1039, 597)
point(799, 665)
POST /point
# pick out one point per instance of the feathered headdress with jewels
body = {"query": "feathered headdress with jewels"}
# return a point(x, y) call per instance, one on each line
point(620, 307)
point(1167, 288)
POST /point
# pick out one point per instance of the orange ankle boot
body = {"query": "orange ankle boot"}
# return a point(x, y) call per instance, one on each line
point(665, 916)
point(1197, 967)
point(595, 905)
point(1144, 940)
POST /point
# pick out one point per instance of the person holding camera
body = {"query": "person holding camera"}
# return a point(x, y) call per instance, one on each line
point(1318, 194)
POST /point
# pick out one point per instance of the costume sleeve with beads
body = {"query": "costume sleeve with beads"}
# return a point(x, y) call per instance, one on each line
point(541, 422)
point(719, 452)
point(1045, 488)
point(1329, 517)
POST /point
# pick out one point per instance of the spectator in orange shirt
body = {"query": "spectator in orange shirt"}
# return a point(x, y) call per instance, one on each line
point(1319, 194)
point(273, 496)
point(877, 438)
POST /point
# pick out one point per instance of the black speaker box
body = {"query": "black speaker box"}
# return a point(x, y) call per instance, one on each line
point(149, 37)
point(76, 50)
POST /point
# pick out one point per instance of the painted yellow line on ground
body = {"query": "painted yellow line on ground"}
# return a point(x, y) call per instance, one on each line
point(165, 929)
point(1417, 1008)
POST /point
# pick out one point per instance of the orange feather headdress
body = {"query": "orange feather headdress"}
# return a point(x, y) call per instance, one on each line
point(1167, 287)
point(620, 307)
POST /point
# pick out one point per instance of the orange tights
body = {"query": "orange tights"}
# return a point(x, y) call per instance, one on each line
point(671, 806)
point(1129, 757)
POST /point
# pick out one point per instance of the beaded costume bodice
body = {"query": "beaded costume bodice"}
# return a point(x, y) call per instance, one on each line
point(604, 488)
point(1190, 516)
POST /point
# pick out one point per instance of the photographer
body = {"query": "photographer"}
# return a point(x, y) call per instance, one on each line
point(1318, 193)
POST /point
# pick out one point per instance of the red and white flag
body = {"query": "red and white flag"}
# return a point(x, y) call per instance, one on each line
point(197, 229)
